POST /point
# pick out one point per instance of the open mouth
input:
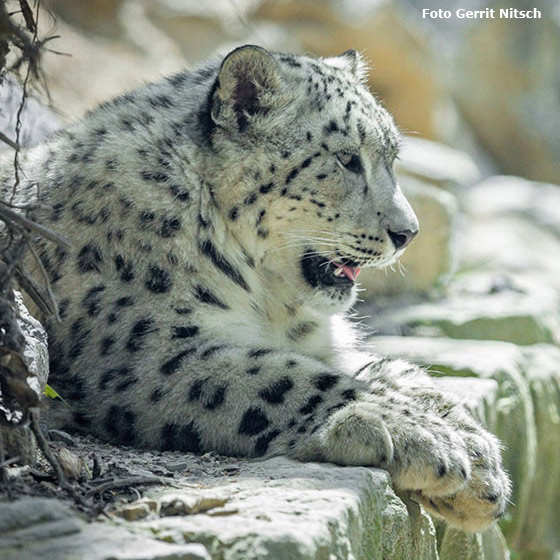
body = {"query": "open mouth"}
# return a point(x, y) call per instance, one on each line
point(322, 272)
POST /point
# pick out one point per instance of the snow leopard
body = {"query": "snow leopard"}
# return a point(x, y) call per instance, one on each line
point(219, 220)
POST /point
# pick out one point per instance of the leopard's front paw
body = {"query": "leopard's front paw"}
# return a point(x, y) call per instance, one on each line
point(421, 453)
point(483, 499)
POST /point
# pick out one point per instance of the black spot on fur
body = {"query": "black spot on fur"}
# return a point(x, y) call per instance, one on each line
point(119, 424)
point(195, 392)
point(258, 352)
point(155, 176)
point(177, 80)
point(217, 399)
point(331, 127)
point(112, 374)
point(139, 330)
point(301, 329)
point(262, 443)
point(325, 381)
point(349, 395)
point(250, 199)
point(125, 301)
point(92, 300)
point(63, 308)
point(78, 338)
point(169, 227)
point(57, 211)
point(126, 268)
point(185, 438)
point(160, 101)
point(264, 189)
point(124, 385)
point(234, 213)
point(158, 280)
point(107, 343)
point(147, 217)
point(184, 331)
point(254, 422)
point(179, 193)
point(89, 258)
point(172, 365)
point(157, 394)
point(311, 404)
point(209, 250)
point(212, 350)
point(127, 125)
point(292, 175)
point(183, 310)
point(204, 295)
point(253, 370)
point(274, 394)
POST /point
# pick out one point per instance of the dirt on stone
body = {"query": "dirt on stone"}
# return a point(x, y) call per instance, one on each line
point(103, 477)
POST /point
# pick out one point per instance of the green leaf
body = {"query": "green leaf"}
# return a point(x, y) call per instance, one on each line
point(52, 394)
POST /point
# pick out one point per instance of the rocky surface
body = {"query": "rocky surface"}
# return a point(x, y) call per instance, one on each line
point(18, 440)
point(233, 510)
point(34, 528)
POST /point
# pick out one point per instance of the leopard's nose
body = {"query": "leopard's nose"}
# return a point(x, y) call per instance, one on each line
point(402, 238)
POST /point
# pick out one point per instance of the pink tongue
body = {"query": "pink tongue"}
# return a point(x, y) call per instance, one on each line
point(348, 271)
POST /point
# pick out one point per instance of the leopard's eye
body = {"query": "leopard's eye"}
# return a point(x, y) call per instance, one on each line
point(350, 161)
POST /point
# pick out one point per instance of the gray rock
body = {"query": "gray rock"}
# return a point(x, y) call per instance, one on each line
point(44, 529)
point(18, 440)
point(59, 435)
point(178, 466)
point(509, 218)
point(35, 352)
point(283, 509)
point(510, 308)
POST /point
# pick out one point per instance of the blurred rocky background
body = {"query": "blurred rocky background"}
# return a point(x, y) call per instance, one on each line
point(476, 296)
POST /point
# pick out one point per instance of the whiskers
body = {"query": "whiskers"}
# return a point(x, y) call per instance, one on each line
point(399, 267)
point(295, 240)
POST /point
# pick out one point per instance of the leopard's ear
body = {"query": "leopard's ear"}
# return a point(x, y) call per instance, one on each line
point(249, 82)
point(354, 62)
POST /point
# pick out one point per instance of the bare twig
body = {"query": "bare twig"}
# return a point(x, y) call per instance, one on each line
point(44, 446)
point(53, 461)
point(38, 294)
point(7, 214)
point(6, 140)
point(41, 266)
point(124, 482)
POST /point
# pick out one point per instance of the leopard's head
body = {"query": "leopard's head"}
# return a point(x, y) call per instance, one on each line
point(304, 176)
